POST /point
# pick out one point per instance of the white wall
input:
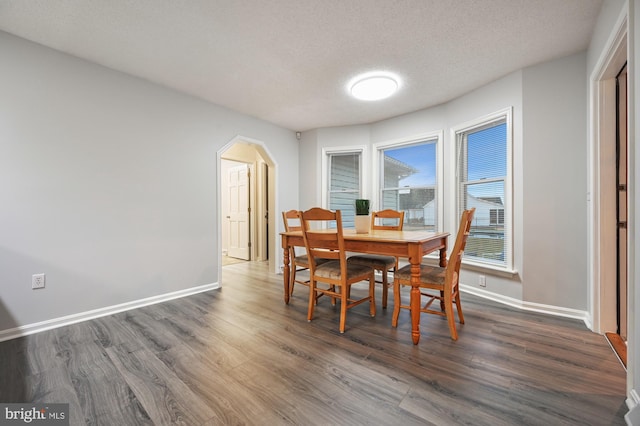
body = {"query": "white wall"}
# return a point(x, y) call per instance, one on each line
point(108, 184)
point(549, 112)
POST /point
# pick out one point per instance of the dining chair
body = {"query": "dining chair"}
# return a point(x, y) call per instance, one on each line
point(298, 262)
point(384, 219)
point(328, 263)
point(438, 283)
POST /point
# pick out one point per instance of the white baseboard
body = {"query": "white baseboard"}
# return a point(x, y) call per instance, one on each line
point(633, 399)
point(37, 327)
point(633, 416)
point(529, 306)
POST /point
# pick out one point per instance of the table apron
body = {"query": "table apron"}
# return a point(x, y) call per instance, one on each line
point(399, 249)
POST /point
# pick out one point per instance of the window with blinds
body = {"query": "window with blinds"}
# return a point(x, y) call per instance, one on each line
point(344, 182)
point(409, 183)
point(482, 182)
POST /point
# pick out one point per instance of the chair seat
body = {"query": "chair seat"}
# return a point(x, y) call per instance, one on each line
point(379, 262)
point(428, 274)
point(373, 260)
point(331, 269)
point(303, 261)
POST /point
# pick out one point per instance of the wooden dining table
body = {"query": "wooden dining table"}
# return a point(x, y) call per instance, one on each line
point(411, 244)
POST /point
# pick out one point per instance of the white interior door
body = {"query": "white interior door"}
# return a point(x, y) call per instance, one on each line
point(238, 178)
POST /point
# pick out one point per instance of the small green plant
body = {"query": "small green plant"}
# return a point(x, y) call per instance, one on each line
point(362, 207)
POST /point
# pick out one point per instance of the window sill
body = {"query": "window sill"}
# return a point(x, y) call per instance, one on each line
point(489, 269)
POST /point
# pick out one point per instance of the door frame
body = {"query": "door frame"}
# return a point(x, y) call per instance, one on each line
point(602, 178)
point(622, 208)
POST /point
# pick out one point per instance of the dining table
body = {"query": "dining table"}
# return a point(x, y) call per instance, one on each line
point(410, 244)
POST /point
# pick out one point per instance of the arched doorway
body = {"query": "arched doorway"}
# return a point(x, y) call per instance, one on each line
point(259, 234)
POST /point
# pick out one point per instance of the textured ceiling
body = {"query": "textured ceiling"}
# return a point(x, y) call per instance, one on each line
point(288, 61)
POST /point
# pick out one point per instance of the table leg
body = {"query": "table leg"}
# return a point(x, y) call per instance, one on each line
point(443, 256)
point(287, 276)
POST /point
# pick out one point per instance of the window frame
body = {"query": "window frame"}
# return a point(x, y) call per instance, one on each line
point(505, 115)
point(327, 152)
point(378, 175)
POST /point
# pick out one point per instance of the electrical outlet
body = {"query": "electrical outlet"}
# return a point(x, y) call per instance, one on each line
point(482, 281)
point(37, 281)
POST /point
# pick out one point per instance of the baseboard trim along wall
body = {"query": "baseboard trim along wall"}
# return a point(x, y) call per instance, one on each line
point(529, 306)
point(25, 330)
point(633, 416)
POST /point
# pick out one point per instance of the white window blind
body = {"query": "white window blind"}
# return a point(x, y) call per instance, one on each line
point(344, 170)
point(482, 171)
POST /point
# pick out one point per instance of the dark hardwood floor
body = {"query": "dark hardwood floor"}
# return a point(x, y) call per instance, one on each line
point(239, 355)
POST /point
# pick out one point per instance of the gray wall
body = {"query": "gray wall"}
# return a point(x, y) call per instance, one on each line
point(309, 166)
point(108, 184)
point(555, 183)
point(609, 13)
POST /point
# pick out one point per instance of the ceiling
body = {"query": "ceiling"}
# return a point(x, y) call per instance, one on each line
point(289, 61)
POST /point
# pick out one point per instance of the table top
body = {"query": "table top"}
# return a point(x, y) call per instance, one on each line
point(381, 235)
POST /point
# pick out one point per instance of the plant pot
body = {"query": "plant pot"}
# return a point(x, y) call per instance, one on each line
point(363, 224)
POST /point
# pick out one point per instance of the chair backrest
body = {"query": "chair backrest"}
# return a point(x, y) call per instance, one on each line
point(455, 260)
point(387, 214)
point(291, 221)
point(323, 242)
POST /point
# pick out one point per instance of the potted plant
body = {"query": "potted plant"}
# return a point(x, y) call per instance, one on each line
point(363, 220)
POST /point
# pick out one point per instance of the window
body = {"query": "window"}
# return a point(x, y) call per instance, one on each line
point(408, 182)
point(344, 171)
point(482, 170)
point(496, 216)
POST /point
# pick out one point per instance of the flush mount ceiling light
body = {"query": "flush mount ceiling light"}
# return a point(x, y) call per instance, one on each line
point(373, 86)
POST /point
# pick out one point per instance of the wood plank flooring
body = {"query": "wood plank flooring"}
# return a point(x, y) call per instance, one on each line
point(239, 355)
point(619, 346)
